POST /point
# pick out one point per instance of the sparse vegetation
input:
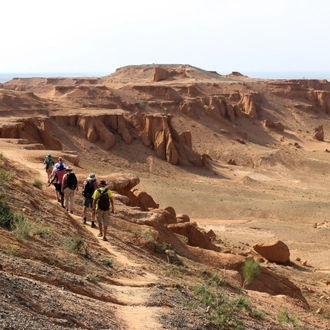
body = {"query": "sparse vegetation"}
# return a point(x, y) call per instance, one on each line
point(250, 271)
point(22, 228)
point(37, 183)
point(75, 244)
point(284, 317)
point(6, 216)
point(42, 231)
point(11, 250)
point(92, 278)
point(106, 262)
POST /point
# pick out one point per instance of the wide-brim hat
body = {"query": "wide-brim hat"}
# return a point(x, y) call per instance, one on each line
point(91, 176)
point(103, 183)
point(68, 168)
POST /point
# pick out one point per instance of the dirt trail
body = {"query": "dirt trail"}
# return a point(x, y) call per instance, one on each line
point(133, 294)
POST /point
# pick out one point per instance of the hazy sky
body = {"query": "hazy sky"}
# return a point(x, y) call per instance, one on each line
point(222, 35)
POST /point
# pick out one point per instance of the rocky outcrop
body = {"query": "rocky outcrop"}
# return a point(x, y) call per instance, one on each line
point(195, 235)
point(248, 104)
point(276, 125)
point(32, 130)
point(276, 251)
point(319, 133)
point(159, 74)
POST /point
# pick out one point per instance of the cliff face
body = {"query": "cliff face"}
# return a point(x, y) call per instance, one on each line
point(159, 106)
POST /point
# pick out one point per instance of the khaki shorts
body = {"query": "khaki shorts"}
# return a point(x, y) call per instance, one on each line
point(103, 217)
point(49, 170)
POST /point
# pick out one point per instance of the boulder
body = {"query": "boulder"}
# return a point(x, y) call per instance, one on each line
point(276, 251)
point(181, 218)
point(195, 235)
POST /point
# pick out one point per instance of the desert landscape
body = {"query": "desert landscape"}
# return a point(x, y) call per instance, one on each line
point(205, 168)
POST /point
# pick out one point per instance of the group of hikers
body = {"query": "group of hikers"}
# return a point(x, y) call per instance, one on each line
point(96, 195)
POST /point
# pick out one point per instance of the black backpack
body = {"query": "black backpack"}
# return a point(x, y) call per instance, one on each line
point(71, 181)
point(88, 189)
point(103, 200)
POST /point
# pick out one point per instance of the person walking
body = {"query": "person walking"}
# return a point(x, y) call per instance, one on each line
point(69, 186)
point(88, 188)
point(59, 163)
point(102, 197)
point(49, 164)
point(56, 179)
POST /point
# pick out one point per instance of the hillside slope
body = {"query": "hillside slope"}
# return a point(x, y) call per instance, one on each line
point(236, 173)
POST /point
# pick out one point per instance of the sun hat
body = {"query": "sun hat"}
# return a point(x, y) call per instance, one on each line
point(103, 183)
point(68, 168)
point(91, 177)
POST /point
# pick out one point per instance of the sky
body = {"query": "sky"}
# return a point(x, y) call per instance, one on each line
point(100, 36)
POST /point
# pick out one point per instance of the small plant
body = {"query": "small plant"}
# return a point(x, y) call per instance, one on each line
point(6, 216)
point(1, 156)
point(11, 250)
point(92, 278)
point(5, 176)
point(183, 239)
point(76, 244)
point(42, 231)
point(107, 262)
point(22, 228)
point(251, 271)
point(18, 182)
point(37, 183)
point(284, 317)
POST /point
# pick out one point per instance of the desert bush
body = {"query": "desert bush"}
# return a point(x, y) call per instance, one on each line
point(76, 245)
point(5, 176)
point(11, 250)
point(250, 271)
point(6, 216)
point(106, 262)
point(37, 183)
point(92, 278)
point(284, 317)
point(42, 231)
point(22, 228)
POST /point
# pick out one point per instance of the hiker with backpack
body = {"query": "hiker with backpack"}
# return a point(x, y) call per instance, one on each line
point(102, 197)
point(49, 164)
point(69, 186)
point(56, 179)
point(88, 188)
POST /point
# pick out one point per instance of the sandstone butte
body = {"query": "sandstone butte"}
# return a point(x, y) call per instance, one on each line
point(207, 170)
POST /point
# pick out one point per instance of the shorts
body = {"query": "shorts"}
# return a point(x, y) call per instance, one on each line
point(49, 169)
point(103, 217)
point(88, 202)
point(58, 187)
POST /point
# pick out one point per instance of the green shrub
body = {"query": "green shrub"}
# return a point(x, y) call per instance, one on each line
point(22, 228)
point(6, 216)
point(251, 271)
point(37, 183)
point(284, 317)
point(106, 262)
point(5, 176)
point(76, 244)
point(92, 278)
point(42, 231)
point(11, 250)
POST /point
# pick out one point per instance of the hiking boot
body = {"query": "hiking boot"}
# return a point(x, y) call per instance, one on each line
point(71, 212)
point(93, 225)
point(84, 220)
point(99, 235)
point(105, 239)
